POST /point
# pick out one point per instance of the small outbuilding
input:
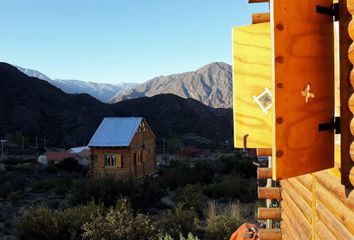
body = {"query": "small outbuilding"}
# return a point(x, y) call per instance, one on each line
point(124, 147)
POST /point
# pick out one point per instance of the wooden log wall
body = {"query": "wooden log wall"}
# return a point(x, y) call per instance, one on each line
point(268, 193)
point(347, 73)
point(317, 206)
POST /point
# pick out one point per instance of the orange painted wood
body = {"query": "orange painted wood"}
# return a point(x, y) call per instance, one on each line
point(269, 234)
point(303, 93)
point(264, 173)
point(260, 18)
point(269, 213)
point(269, 193)
point(264, 152)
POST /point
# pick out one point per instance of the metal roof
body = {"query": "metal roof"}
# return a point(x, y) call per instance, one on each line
point(115, 132)
point(78, 149)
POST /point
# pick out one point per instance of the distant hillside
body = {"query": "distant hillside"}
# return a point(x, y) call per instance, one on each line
point(211, 85)
point(101, 91)
point(39, 109)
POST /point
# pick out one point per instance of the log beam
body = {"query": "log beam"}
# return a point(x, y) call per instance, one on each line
point(269, 234)
point(264, 173)
point(260, 18)
point(269, 193)
point(264, 152)
point(269, 213)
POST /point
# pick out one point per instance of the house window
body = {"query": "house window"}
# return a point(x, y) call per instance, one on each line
point(112, 160)
point(138, 157)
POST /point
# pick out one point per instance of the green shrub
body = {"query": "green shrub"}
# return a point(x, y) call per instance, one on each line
point(178, 174)
point(234, 187)
point(191, 196)
point(11, 182)
point(44, 223)
point(223, 220)
point(120, 223)
point(178, 221)
point(190, 236)
point(106, 191)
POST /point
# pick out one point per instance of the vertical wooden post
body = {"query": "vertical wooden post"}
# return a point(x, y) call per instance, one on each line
point(346, 88)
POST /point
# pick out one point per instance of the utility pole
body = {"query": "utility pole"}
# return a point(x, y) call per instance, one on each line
point(2, 147)
point(36, 142)
point(163, 146)
point(44, 143)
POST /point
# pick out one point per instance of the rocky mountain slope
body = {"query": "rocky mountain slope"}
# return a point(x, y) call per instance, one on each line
point(39, 109)
point(211, 85)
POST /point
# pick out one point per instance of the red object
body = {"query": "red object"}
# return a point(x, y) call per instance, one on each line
point(58, 156)
point(246, 231)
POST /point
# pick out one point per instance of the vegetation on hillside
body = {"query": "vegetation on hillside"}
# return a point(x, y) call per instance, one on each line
point(185, 200)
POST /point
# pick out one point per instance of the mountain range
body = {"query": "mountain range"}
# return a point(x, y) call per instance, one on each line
point(101, 91)
point(38, 109)
point(211, 85)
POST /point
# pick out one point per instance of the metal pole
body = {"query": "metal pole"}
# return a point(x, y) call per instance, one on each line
point(2, 148)
point(164, 148)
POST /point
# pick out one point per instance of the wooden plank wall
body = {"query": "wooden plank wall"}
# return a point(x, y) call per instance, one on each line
point(317, 206)
point(143, 141)
point(100, 170)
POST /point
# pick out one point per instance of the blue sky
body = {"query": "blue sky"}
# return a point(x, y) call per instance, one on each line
point(119, 40)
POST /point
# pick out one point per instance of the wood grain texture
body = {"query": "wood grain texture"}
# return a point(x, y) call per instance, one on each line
point(300, 190)
point(338, 210)
point(269, 234)
point(350, 6)
point(346, 81)
point(264, 152)
point(269, 213)
point(287, 229)
point(332, 223)
point(251, 75)
point(269, 193)
point(303, 57)
point(289, 214)
point(263, 173)
point(260, 18)
point(333, 185)
point(289, 193)
point(323, 232)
